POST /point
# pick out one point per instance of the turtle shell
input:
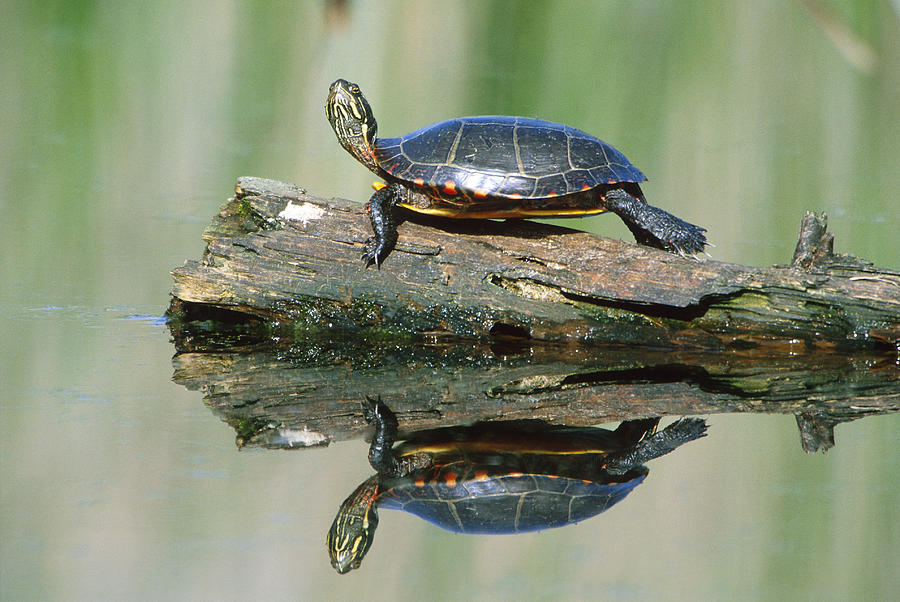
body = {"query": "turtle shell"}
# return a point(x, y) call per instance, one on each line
point(483, 498)
point(503, 163)
point(512, 477)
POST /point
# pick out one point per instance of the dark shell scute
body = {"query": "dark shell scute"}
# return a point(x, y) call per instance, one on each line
point(432, 144)
point(551, 186)
point(543, 151)
point(585, 153)
point(517, 185)
point(579, 179)
point(424, 171)
point(481, 181)
point(486, 147)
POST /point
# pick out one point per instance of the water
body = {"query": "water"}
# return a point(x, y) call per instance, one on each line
point(125, 128)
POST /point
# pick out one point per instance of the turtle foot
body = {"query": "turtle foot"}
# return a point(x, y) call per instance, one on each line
point(375, 252)
point(370, 254)
point(659, 444)
point(662, 230)
point(376, 411)
point(368, 407)
point(384, 225)
point(683, 237)
point(654, 227)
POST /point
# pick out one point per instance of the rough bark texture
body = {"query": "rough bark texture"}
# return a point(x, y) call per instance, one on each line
point(281, 255)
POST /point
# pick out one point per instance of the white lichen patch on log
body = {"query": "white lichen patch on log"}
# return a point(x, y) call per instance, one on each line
point(304, 212)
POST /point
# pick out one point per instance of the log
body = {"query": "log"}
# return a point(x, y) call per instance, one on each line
point(282, 257)
point(293, 394)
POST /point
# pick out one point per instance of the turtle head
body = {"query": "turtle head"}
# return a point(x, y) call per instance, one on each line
point(353, 528)
point(350, 115)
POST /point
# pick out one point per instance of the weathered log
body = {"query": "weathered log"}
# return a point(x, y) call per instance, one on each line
point(295, 394)
point(280, 255)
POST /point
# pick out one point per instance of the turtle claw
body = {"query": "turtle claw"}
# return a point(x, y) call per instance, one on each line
point(376, 412)
point(371, 408)
point(374, 253)
point(370, 261)
point(687, 239)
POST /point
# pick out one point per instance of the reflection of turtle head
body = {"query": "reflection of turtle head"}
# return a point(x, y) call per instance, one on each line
point(353, 528)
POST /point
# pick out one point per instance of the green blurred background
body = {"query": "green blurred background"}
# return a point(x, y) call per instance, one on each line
point(124, 127)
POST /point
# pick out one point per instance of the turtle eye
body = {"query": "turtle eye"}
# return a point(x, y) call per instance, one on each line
point(354, 89)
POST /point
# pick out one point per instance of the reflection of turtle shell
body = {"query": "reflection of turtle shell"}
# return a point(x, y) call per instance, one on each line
point(487, 491)
point(497, 477)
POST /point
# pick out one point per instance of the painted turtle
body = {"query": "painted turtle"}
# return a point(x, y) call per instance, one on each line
point(497, 167)
point(497, 478)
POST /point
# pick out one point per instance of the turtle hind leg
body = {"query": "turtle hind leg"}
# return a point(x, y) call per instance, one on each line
point(653, 227)
point(384, 225)
point(658, 444)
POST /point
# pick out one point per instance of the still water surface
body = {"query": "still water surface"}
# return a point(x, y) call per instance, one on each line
point(124, 129)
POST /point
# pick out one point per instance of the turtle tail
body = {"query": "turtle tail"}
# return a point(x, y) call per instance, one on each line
point(654, 227)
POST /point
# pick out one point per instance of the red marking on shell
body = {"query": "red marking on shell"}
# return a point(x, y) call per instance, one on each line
point(449, 187)
point(481, 475)
point(450, 478)
point(515, 474)
point(612, 181)
point(515, 196)
point(585, 187)
point(480, 194)
point(420, 482)
point(552, 193)
point(419, 182)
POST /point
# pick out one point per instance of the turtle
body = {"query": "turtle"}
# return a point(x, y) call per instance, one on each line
point(497, 167)
point(497, 477)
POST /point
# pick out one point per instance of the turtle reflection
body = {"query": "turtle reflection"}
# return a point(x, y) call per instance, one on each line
point(497, 477)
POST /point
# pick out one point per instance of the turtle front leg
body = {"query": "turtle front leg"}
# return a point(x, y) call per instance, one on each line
point(654, 227)
point(384, 225)
point(381, 455)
